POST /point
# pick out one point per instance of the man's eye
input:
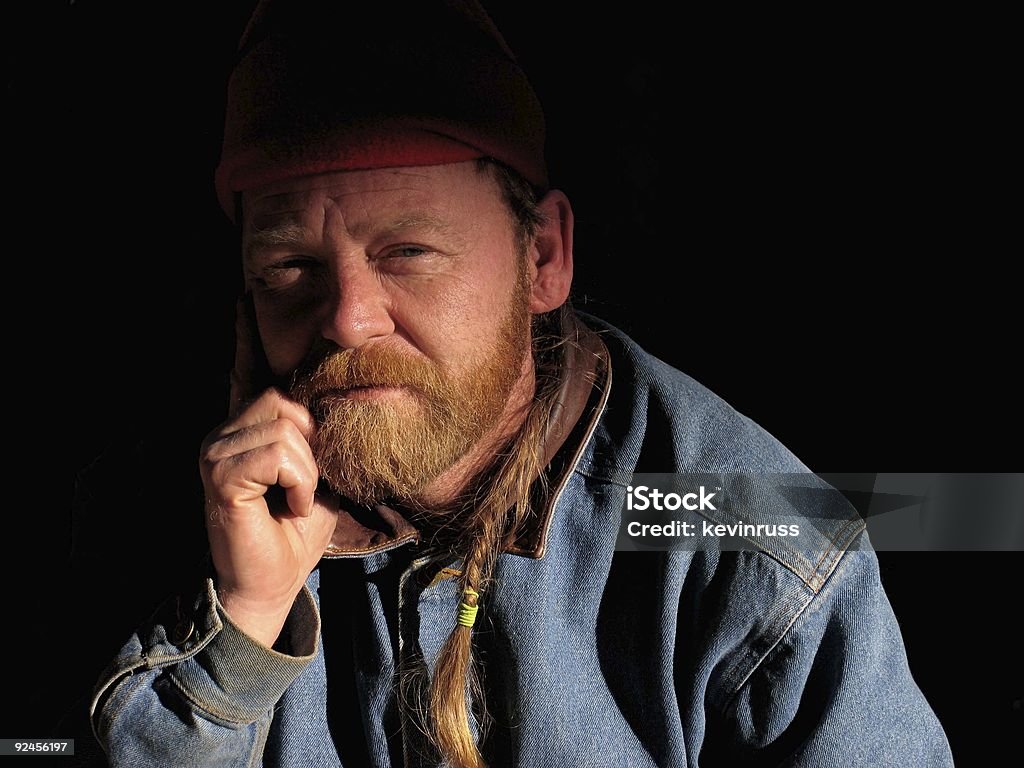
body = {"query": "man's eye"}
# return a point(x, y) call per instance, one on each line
point(284, 274)
point(406, 251)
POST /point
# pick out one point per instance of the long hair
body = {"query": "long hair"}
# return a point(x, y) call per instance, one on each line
point(491, 513)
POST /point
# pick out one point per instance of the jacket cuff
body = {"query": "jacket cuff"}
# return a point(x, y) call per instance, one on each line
point(236, 679)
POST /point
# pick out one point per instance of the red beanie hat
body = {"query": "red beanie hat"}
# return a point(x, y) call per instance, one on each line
point(332, 86)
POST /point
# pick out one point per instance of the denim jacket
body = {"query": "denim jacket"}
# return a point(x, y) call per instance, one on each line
point(591, 656)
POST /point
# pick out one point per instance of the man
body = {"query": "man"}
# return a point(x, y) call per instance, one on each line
point(414, 505)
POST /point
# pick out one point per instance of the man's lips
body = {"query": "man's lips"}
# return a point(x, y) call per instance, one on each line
point(364, 392)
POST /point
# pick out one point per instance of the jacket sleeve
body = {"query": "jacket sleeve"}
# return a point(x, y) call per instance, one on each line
point(202, 693)
point(835, 690)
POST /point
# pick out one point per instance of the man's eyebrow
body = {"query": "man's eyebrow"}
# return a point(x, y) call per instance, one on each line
point(425, 222)
point(419, 221)
point(290, 234)
point(283, 234)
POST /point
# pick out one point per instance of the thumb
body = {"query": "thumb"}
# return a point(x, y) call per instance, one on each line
point(245, 374)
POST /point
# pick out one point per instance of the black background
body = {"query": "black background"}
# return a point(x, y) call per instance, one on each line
point(806, 210)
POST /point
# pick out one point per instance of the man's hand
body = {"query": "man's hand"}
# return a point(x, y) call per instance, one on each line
point(263, 545)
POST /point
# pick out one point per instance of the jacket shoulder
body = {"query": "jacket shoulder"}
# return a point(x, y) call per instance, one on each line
point(659, 421)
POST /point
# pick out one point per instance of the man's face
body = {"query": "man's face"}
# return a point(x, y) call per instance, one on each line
point(393, 303)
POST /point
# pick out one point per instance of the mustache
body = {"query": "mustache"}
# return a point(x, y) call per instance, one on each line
point(326, 372)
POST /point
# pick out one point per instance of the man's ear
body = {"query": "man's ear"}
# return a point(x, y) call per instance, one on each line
point(551, 254)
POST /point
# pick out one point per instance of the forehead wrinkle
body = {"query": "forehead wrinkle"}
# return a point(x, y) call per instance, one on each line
point(367, 218)
point(423, 221)
point(285, 216)
point(300, 204)
point(271, 201)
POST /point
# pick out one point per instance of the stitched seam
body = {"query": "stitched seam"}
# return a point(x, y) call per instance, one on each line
point(101, 716)
point(768, 651)
point(834, 546)
point(339, 553)
point(214, 715)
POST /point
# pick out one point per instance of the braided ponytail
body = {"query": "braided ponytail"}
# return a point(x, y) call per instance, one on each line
point(492, 524)
point(492, 515)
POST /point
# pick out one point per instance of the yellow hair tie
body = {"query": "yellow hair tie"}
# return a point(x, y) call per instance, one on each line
point(467, 613)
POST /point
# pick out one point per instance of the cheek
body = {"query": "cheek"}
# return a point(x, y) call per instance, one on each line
point(463, 320)
point(457, 309)
point(286, 336)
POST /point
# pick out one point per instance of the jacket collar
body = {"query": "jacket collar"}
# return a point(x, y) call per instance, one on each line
point(586, 382)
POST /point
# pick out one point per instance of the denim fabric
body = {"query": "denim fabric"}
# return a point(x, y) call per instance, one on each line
point(592, 657)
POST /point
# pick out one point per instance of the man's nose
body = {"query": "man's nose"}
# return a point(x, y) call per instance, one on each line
point(358, 309)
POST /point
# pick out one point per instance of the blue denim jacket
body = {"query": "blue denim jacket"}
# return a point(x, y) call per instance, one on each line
point(592, 656)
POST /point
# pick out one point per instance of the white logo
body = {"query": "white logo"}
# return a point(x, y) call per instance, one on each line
point(642, 497)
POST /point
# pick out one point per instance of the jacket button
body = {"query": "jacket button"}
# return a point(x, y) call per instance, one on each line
point(183, 631)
